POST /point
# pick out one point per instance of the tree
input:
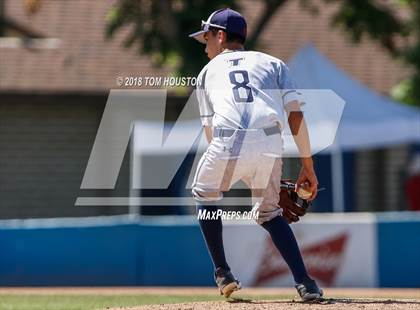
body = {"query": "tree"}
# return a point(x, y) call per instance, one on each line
point(160, 28)
point(398, 33)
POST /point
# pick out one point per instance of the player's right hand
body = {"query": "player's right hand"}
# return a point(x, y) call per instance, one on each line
point(308, 180)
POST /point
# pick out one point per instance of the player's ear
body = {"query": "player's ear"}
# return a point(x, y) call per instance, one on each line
point(221, 36)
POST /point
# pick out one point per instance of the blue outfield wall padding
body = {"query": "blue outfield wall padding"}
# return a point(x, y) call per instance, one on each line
point(69, 256)
point(159, 252)
point(175, 256)
point(95, 254)
point(399, 252)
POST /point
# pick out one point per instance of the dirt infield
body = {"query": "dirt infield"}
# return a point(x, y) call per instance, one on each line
point(247, 298)
point(365, 298)
point(282, 304)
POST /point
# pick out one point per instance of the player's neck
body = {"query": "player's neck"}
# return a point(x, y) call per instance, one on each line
point(234, 46)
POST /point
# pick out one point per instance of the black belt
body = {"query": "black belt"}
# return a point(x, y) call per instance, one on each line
point(227, 132)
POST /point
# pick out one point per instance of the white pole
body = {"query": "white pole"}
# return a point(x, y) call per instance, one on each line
point(337, 178)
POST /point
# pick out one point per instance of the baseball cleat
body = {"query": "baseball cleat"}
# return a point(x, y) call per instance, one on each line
point(226, 282)
point(308, 290)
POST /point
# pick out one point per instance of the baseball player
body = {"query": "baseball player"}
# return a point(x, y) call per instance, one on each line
point(243, 97)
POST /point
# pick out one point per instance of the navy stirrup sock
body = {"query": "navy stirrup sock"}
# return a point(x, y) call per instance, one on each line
point(285, 241)
point(212, 233)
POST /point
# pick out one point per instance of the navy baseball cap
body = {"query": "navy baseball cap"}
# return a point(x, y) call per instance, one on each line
point(224, 19)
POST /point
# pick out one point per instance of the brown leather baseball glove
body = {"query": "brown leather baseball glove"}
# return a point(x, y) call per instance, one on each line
point(293, 206)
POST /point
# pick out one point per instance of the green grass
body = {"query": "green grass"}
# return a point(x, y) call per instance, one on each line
point(88, 302)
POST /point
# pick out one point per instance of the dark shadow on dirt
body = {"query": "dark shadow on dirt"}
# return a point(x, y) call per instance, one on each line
point(367, 301)
point(329, 301)
point(238, 300)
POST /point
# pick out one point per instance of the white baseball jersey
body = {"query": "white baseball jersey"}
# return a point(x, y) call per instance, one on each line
point(246, 90)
